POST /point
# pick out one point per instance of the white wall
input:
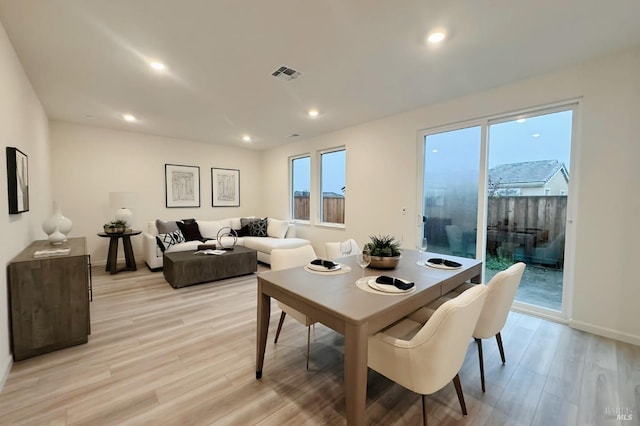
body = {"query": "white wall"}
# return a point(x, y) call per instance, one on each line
point(89, 162)
point(382, 165)
point(23, 124)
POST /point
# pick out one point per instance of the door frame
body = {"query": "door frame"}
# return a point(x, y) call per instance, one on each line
point(565, 312)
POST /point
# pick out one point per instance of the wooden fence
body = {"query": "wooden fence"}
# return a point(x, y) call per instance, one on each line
point(333, 208)
point(546, 214)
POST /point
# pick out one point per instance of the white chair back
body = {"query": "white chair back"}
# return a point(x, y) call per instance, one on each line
point(291, 258)
point(434, 355)
point(334, 250)
point(501, 291)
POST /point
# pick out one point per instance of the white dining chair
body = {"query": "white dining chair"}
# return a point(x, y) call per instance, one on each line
point(334, 250)
point(291, 258)
point(425, 353)
point(502, 290)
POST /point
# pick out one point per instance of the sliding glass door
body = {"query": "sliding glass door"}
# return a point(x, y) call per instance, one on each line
point(528, 189)
point(498, 190)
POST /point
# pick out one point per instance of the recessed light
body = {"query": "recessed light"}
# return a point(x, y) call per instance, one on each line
point(434, 151)
point(436, 36)
point(535, 135)
point(158, 66)
point(313, 113)
point(521, 120)
point(246, 138)
point(128, 117)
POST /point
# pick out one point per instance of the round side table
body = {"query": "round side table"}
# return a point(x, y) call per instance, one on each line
point(112, 257)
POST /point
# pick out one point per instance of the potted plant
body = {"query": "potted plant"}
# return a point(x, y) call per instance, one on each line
point(384, 251)
point(115, 226)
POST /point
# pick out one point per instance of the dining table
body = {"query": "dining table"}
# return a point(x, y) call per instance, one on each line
point(337, 300)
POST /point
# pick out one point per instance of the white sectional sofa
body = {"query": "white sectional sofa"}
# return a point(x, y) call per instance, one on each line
point(280, 234)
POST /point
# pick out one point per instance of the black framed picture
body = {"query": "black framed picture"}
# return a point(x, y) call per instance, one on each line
point(225, 187)
point(182, 185)
point(17, 180)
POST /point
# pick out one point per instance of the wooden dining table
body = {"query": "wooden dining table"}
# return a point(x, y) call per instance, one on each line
point(335, 300)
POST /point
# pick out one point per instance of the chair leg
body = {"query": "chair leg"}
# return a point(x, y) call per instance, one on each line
point(499, 340)
point(456, 383)
point(481, 360)
point(424, 410)
point(308, 344)
point(282, 315)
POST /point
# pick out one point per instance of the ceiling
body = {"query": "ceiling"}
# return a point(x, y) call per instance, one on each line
point(360, 59)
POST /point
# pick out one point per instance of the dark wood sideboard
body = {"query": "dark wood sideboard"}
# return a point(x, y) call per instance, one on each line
point(49, 299)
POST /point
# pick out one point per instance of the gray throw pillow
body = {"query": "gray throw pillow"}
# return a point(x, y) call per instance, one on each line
point(166, 227)
point(245, 221)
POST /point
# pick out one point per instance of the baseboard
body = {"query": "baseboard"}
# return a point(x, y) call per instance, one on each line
point(605, 332)
point(5, 369)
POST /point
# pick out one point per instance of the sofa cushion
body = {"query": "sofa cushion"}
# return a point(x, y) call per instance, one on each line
point(234, 223)
point(191, 231)
point(209, 228)
point(166, 240)
point(166, 227)
point(188, 246)
point(277, 228)
point(258, 228)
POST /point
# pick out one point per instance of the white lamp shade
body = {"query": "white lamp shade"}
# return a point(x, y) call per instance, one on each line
point(122, 201)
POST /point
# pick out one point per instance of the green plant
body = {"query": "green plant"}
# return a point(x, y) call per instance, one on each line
point(497, 263)
point(383, 246)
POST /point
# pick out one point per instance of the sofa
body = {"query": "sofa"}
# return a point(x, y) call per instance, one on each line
point(269, 234)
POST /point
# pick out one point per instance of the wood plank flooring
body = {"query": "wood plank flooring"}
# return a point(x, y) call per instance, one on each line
point(159, 356)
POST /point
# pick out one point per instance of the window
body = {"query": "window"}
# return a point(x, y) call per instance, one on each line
point(333, 186)
point(300, 184)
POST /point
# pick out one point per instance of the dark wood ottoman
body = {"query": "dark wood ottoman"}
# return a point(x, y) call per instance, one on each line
point(185, 268)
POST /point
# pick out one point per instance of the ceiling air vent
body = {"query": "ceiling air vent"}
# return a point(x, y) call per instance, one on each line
point(286, 73)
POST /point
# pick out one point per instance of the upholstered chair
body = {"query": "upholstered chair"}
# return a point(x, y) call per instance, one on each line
point(425, 353)
point(291, 258)
point(502, 290)
point(334, 250)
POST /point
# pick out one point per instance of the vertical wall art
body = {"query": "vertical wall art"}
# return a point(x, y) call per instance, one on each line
point(17, 180)
point(225, 187)
point(182, 185)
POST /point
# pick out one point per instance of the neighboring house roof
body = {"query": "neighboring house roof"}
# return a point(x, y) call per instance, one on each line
point(530, 173)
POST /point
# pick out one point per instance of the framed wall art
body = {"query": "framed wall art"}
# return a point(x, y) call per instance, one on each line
point(17, 180)
point(225, 187)
point(182, 185)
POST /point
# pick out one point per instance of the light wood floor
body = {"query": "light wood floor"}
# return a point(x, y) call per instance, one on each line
point(160, 356)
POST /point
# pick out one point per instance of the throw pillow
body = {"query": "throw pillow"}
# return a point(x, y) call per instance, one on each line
point(166, 227)
point(243, 232)
point(167, 240)
point(244, 221)
point(258, 228)
point(190, 231)
point(188, 221)
point(209, 228)
point(277, 228)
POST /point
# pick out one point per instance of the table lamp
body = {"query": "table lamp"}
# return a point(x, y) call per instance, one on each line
point(121, 201)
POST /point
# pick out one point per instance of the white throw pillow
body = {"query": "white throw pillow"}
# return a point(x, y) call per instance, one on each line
point(277, 228)
point(234, 222)
point(209, 228)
